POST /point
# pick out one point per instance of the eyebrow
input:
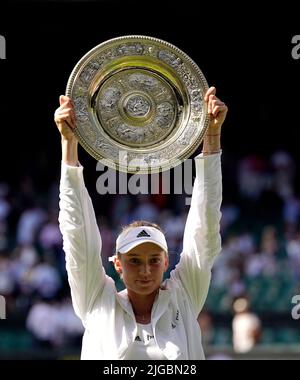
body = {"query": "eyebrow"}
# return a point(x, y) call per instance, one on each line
point(137, 254)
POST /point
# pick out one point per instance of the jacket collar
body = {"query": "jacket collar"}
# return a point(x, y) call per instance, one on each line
point(160, 304)
point(123, 300)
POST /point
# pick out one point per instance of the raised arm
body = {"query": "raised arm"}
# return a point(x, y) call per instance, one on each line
point(217, 111)
point(81, 237)
point(65, 120)
point(202, 241)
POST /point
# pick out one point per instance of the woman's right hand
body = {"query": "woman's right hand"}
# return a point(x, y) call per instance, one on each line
point(64, 118)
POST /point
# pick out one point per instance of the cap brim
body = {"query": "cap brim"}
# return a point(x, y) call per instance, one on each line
point(128, 247)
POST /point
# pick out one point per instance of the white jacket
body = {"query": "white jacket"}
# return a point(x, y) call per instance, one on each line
point(107, 316)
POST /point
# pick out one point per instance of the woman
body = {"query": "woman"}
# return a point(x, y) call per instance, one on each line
point(149, 319)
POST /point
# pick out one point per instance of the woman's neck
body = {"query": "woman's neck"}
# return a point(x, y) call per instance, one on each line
point(142, 305)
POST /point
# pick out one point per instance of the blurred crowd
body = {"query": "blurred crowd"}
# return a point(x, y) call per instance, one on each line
point(260, 258)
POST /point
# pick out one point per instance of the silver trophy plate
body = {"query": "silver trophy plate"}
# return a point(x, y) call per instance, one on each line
point(139, 104)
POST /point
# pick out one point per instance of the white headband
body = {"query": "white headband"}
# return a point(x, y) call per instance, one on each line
point(138, 235)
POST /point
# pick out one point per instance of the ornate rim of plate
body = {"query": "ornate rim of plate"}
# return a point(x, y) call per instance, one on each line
point(139, 104)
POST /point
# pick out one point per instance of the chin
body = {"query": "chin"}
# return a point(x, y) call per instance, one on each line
point(145, 290)
point(148, 291)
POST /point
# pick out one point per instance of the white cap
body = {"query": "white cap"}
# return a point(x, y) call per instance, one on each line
point(135, 236)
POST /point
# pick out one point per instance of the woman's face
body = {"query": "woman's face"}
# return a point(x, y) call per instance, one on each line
point(143, 267)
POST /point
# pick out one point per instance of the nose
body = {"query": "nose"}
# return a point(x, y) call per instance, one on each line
point(145, 269)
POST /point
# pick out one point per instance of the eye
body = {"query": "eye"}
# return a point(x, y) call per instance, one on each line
point(155, 260)
point(134, 260)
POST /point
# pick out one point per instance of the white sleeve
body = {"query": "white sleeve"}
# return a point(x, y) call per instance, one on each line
point(81, 240)
point(202, 240)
